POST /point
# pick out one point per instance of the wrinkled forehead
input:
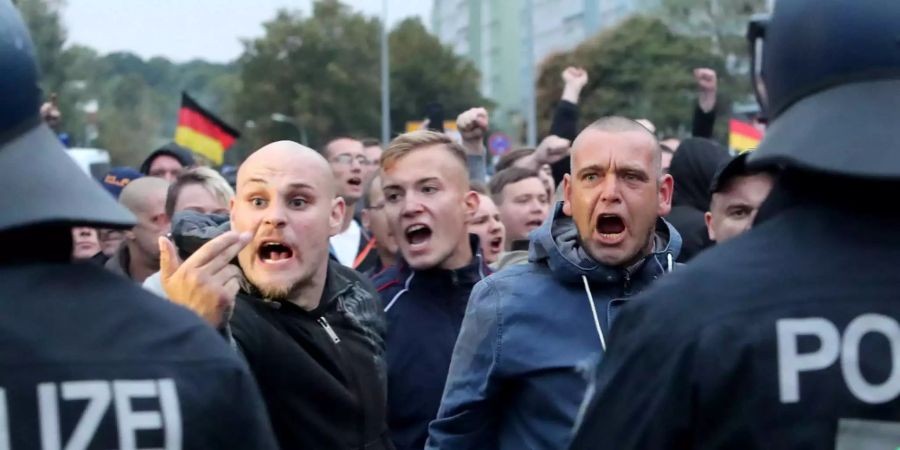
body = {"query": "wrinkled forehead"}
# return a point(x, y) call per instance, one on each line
point(603, 148)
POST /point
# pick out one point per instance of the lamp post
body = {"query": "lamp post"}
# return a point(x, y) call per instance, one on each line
point(385, 81)
point(301, 131)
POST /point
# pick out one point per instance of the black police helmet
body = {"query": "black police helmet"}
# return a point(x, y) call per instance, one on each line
point(831, 76)
point(39, 183)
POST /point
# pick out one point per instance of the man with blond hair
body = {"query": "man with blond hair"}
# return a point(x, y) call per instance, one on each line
point(428, 203)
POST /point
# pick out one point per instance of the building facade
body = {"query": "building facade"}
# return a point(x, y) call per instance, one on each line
point(508, 39)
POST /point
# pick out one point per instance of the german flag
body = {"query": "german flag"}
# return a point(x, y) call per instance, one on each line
point(203, 132)
point(742, 136)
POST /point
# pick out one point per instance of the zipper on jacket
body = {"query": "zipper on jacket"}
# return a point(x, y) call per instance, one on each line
point(324, 323)
point(627, 285)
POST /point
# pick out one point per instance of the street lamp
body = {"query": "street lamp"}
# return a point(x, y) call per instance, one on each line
point(281, 118)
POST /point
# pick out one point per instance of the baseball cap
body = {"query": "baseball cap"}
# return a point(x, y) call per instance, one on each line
point(119, 177)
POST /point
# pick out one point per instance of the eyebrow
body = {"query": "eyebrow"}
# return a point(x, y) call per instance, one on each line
point(590, 168)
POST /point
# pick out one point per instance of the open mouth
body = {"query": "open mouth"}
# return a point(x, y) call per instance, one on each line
point(417, 234)
point(532, 224)
point(274, 252)
point(355, 181)
point(610, 225)
point(496, 244)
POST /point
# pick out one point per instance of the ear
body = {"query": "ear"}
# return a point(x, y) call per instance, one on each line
point(471, 201)
point(567, 195)
point(709, 229)
point(129, 235)
point(231, 210)
point(338, 208)
point(666, 189)
point(366, 219)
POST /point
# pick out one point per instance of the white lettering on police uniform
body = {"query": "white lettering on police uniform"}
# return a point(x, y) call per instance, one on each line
point(831, 346)
point(102, 396)
point(4, 422)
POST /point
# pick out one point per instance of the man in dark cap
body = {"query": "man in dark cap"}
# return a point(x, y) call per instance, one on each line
point(737, 194)
point(788, 336)
point(88, 359)
point(168, 162)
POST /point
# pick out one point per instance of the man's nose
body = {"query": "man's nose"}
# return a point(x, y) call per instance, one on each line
point(609, 190)
point(275, 215)
point(411, 205)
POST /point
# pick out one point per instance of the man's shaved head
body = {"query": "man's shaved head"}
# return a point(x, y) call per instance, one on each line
point(617, 124)
point(138, 192)
point(146, 199)
point(283, 154)
point(287, 197)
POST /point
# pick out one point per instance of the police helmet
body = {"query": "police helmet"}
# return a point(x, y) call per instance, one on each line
point(827, 74)
point(39, 183)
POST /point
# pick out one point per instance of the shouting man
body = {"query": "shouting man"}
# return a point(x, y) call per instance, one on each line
point(523, 361)
point(428, 204)
point(308, 327)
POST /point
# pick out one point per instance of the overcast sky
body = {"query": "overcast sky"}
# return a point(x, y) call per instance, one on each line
point(182, 30)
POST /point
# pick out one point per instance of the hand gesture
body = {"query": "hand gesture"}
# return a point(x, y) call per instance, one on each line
point(707, 81)
point(473, 124)
point(575, 77)
point(207, 282)
point(552, 149)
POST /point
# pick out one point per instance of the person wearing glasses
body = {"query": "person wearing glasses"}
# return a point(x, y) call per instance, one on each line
point(349, 164)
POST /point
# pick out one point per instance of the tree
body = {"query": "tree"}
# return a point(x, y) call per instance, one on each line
point(423, 71)
point(723, 22)
point(638, 69)
point(323, 71)
point(42, 18)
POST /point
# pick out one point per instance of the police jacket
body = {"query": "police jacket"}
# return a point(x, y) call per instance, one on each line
point(424, 310)
point(786, 337)
point(88, 359)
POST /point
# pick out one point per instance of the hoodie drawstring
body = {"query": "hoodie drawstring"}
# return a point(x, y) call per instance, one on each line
point(669, 261)
point(587, 289)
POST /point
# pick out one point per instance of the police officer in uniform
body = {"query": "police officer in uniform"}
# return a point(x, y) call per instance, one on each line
point(87, 359)
point(788, 336)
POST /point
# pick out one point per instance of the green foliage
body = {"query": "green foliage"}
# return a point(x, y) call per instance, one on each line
point(423, 71)
point(324, 71)
point(638, 69)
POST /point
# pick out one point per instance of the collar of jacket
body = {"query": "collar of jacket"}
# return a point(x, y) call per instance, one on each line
point(468, 275)
point(336, 285)
point(556, 244)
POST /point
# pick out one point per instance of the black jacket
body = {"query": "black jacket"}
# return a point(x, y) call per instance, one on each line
point(693, 167)
point(425, 311)
point(86, 351)
point(321, 372)
point(786, 337)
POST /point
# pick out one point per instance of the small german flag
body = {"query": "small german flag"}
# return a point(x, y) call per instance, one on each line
point(742, 136)
point(203, 132)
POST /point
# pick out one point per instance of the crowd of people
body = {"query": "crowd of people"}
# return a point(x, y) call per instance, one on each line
point(603, 290)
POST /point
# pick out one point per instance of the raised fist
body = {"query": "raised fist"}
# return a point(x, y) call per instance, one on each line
point(707, 81)
point(575, 77)
point(472, 124)
point(552, 149)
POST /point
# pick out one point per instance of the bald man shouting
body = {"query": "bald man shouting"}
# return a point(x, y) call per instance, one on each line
point(308, 327)
point(138, 257)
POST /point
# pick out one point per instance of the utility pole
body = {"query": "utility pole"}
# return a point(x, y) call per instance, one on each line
point(385, 78)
